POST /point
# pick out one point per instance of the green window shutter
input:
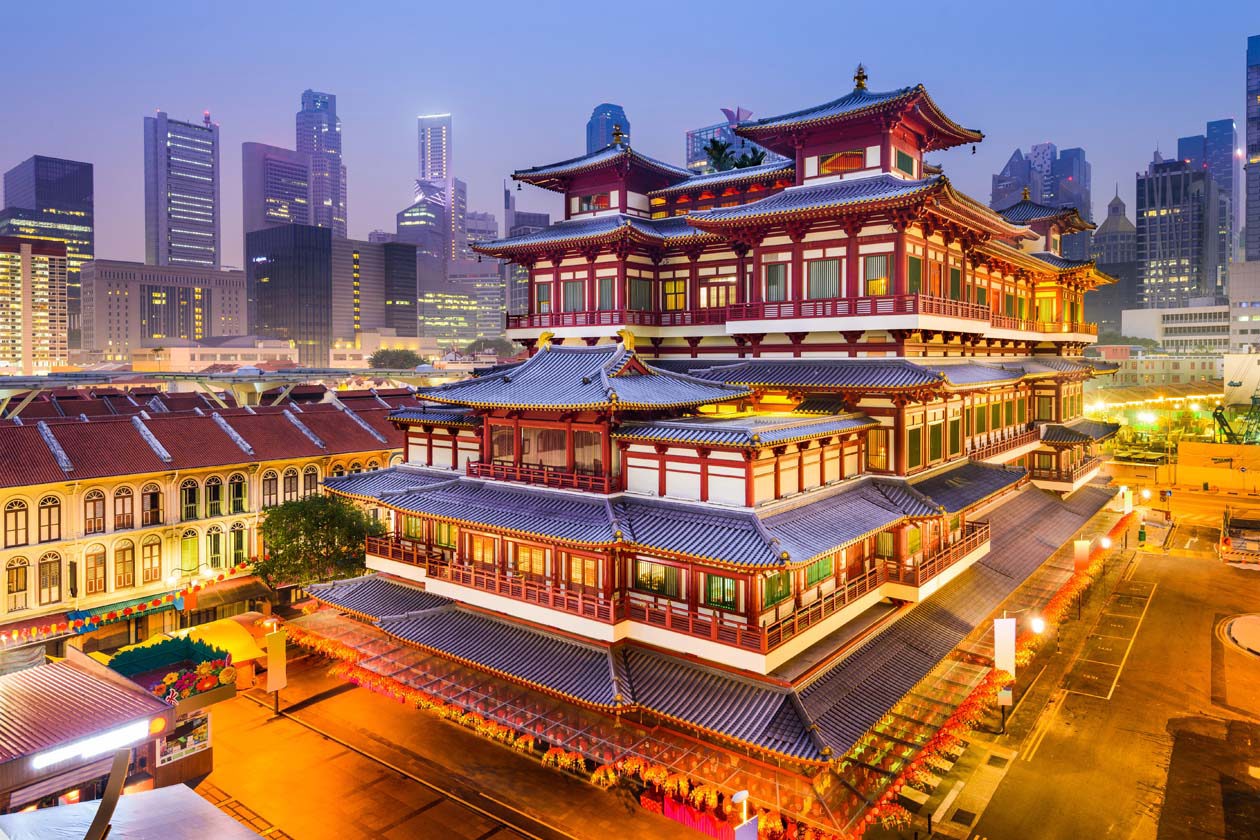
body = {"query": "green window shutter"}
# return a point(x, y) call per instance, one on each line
point(914, 275)
point(955, 437)
point(955, 284)
point(914, 448)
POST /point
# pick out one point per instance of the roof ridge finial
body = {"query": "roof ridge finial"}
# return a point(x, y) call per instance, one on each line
point(618, 136)
point(859, 78)
point(1027, 194)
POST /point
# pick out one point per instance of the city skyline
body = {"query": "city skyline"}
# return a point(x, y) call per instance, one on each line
point(492, 102)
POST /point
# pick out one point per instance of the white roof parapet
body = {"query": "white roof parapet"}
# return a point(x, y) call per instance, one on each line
point(304, 430)
point(232, 433)
point(356, 418)
point(63, 460)
point(151, 439)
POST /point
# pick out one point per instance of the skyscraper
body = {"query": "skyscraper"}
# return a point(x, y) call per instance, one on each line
point(516, 277)
point(1114, 248)
point(599, 128)
point(33, 299)
point(435, 146)
point(319, 137)
point(276, 187)
point(51, 199)
point(181, 191)
point(1177, 242)
point(1215, 152)
point(423, 223)
point(481, 227)
point(1252, 155)
point(1052, 178)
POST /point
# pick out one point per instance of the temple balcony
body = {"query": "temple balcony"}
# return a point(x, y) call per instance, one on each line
point(857, 307)
point(542, 476)
point(618, 318)
point(1025, 325)
point(1069, 479)
point(1004, 447)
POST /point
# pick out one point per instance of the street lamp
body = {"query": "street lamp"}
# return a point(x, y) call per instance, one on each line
point(1146, 494)
point(1038, 624)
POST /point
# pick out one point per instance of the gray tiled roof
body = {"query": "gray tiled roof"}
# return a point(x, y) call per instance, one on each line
point(831, 196)
point(604, 376)
point(376, 596)
point(383, 482)
point(972, 373)
point(708, 532)
point(730, 176)
point(758, 430)
point(596, 160)
point(852, 102)
point(1080, 430)
point(1061, 263)
point(437, 415)
point(1025, 211)
point(564, 516)
point(827, 523)
point(550, 661)
point(821, 373)
point(962, 486)
point(820, 404)
point(664, 231)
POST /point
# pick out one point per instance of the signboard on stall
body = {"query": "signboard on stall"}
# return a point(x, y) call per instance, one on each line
point(191, 735)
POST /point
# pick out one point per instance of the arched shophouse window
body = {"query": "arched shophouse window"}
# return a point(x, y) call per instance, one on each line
point(94, 512)
point(214, 496)
point(16, 582)
point(125, 565)
point(290, 484)
point(236, 542)
point(270, 489)
point(49, 519)
point(15, 522)
point(94, 569)
point(124, 509)
point(189, 499)
point(50, 578)
point(237, 494)
point(214, 546)
point(338, 471)
point(190, 552)
point(151, 559)
point(310, 481)
point(356, 468)
point(373, 466)
point(151, 504)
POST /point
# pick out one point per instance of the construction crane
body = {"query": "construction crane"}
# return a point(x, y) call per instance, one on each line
point(1223, 429)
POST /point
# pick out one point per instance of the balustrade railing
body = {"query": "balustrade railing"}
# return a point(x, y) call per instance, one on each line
point(536, 474)
point(1070, 475)
point(1005, 444)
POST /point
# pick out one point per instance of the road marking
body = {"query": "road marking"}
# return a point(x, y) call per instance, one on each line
point(1127, 650)
point(939, 815)
point(1042, 728)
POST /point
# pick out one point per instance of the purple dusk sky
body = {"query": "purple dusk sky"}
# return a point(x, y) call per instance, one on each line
point(1116, 78)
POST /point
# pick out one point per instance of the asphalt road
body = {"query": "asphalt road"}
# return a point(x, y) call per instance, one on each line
point(1152, 731)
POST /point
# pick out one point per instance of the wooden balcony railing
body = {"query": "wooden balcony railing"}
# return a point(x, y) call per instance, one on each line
point(660, 612)
point(857, 307)
point(1068, 476)
point(1005, 444)
point(545, 476)
point(617, 318)
point(1010, 322)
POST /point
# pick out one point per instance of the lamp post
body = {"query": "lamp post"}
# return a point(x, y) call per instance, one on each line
point(1004, 652)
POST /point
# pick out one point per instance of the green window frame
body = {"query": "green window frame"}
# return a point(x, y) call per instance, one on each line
point(982, 295)
point(605, 302)
point(640, 294)
point(657, 578)
point(445, 534)
point(885, 545)
point(775, 588)
point(981, 416)
point(995, 416)
point(823, 279)
point(1010, 303)
point(542, 298)
point(721, 592)
point(935, 441)
point(914, 447)
point(675, 295)
point(914, 275)
point(1021, 409)
point(905, 162)
point(574, 295)
point(914, 540)
point(413, 527)
point(955, 284)
point(877, 449)
point(776, 282)
point(876, 275)
point(955, 436)
point(1009, 407)
point(819, 570)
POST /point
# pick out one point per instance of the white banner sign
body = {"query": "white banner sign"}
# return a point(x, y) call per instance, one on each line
point(277, 673)
point(1004, 645)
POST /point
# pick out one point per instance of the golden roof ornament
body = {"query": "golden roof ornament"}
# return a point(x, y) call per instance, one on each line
point(618, 136)
point(544, 339)
point(1027, 194)
point(859, 78)
point(627, 338)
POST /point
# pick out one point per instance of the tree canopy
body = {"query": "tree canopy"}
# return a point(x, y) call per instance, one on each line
point(314, 539)
point(1117, 338)
point(395, 359)
point(719, 154)
point(497, 346)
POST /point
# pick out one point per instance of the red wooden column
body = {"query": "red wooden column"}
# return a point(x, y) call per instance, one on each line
point(756, 292)
point(852, 267)
point(899, 269)
point(899, 437)
point(454, 448)
point(693, 280)
point(796, 232)
point(704, 474)
point(568, 445)
point(592, 286)
point(741, 273)
point(748, 478)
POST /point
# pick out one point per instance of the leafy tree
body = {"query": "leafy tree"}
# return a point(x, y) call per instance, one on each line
point(719, 154)
point(397, 359)
point(1117, 338)
point(314, 539)
point(497, 346)
point(752, 157)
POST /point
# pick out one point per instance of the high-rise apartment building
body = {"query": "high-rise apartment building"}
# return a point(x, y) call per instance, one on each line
point(699, 138)
point(310, 287)
point(605, 119)
point(319, 137)
point(434, 132)
point(276, 187)
point(1016, 176)
point(33, 323)
point(181, 191)
point(1252, 152)
point(130, 305)
point(51, 199)
point(1177, 234)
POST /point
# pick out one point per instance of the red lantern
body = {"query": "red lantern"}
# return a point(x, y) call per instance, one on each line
point(157, 602)
point(141, 607)
point(127, 611)
point(170, 598)
point(220, 577)
point(96, 619)
point(78, 622)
